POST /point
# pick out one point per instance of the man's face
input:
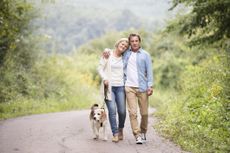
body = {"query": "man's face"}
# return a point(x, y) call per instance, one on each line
point(135, 43)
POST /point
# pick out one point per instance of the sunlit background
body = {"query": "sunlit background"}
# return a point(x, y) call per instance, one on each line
point(69, 24)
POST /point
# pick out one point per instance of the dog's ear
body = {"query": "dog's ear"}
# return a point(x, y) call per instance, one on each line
point(91, 114)
point(103, 115)
point(92, 110)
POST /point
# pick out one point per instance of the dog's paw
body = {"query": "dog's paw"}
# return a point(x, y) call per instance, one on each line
point(105, 138)
point(96, 137)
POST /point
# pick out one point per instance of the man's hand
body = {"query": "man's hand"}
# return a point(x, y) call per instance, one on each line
point(106, 53)
point(149, 91)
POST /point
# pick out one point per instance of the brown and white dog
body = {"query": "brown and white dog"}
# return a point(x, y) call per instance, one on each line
point(98, 119)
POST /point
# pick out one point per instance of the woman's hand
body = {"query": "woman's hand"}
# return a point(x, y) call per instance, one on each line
point(106, 53)
point(106, 82)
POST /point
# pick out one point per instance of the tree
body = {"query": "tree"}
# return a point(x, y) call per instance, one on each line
point(208, 21)
point(14, 21)
point(17, 52)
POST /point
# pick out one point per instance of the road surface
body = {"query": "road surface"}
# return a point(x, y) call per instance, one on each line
point(70, 132)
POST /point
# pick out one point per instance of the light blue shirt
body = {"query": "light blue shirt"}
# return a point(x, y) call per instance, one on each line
point(144, 68)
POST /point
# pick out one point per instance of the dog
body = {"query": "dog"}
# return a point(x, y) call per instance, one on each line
point(98, 119)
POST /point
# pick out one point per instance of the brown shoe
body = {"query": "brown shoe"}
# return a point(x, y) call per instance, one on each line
point(120, 134)
point(115, 138)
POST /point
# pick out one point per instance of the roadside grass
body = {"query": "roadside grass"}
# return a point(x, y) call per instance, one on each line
point(69, 84)
point(23, 107)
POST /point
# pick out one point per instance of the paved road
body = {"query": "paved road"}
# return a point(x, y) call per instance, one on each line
point(70, 132)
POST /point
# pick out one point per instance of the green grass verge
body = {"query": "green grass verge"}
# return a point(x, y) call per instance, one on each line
point(24, 107)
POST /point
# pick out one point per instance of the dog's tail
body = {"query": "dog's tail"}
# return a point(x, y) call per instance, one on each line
point(94, 106)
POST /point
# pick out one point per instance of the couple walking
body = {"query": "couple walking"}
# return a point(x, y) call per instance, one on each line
point(126, 72)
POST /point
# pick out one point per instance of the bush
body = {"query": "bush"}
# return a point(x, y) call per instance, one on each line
point(199, 119)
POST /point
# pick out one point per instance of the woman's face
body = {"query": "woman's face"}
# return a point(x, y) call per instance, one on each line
point(122, 46)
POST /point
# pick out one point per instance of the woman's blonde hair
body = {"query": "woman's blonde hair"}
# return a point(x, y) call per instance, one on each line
point(121, 40)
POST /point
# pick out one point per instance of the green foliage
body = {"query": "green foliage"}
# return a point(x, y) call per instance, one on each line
point(208, 21)
point(192, 82)
point(66, 79)
point(199, 118)
point(96, 46)
point(14, 20)
point(70, 24)
point(197, 115)
point(17, 50)
point(169, 56)
point(60, 83)
point(32, 83)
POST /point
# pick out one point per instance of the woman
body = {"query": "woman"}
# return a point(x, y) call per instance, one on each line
point(111, 72)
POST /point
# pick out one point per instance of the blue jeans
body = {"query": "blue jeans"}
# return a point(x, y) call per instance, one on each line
point(117, 105)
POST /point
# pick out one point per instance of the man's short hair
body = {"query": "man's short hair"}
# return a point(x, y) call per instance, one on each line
point(134, 35)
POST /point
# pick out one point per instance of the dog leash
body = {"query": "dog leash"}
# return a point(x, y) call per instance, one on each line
point(105, 95)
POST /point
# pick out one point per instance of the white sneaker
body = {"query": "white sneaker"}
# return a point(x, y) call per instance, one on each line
point(139, 140)
point(143, 137)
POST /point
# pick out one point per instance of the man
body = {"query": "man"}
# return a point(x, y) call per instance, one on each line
point(138, 85)
point(138, 79)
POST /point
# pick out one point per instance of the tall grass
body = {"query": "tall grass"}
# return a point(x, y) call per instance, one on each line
point(63, 83)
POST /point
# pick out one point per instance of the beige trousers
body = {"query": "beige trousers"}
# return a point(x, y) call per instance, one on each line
point(135, 97)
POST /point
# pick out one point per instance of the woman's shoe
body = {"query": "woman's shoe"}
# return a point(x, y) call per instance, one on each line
point(115, 138)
